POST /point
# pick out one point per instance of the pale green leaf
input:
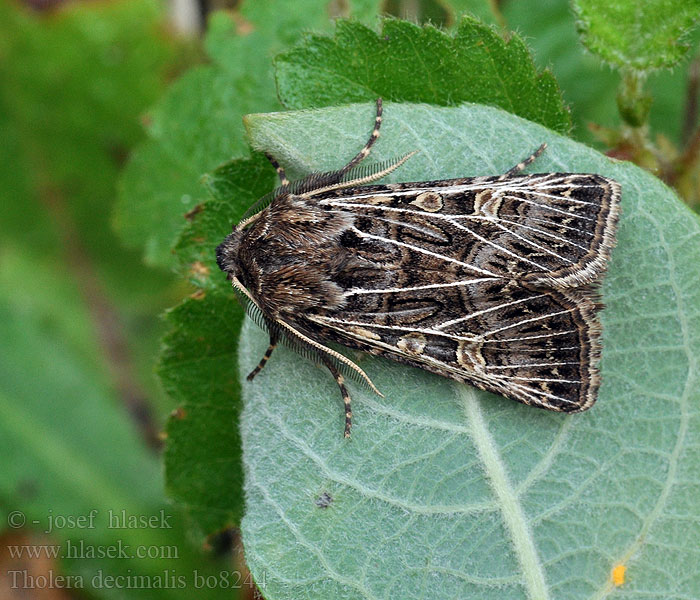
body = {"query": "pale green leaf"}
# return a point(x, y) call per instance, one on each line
point(443, 487)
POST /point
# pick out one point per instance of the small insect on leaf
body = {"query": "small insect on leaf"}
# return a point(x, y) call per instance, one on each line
point(324, 500)
point(491, 280)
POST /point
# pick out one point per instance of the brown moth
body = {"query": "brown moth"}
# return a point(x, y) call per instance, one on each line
point(489, 280)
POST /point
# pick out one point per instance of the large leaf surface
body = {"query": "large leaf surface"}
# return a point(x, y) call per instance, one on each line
point(443, 487)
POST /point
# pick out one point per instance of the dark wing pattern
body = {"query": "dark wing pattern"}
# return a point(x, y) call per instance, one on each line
point(539, 347)
point(550, 228)
point(485, 280)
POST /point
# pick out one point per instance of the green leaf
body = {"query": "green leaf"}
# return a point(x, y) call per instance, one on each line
point(73, 87)
point(103, 64)
point(420, 64)
point(446, 487)
point(590, 87)
point(234, 187)
point(203, 451)
point(644, 36)
point(198, 126)
point(197, 364)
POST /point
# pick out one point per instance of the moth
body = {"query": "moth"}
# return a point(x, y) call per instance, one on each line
point(491, 281)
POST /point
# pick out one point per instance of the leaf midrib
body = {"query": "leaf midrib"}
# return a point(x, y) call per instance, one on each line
point(508, 501)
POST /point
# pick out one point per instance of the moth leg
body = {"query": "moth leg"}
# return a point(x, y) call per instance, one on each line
point(362, 154)
point(280, 170)
point(521, 165)
point(263, 360)
point(340, 380)
point(324, 352)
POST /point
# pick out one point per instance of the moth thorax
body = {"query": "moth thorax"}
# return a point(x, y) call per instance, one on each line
point(299, 287)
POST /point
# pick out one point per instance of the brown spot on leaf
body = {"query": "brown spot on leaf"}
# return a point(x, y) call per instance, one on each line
point(191, 214)
point(199, 269)
point(179, 413)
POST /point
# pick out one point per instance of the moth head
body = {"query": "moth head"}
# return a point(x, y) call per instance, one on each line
point(227, 253)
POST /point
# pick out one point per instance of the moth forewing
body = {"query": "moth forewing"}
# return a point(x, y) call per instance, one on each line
point(487, 280)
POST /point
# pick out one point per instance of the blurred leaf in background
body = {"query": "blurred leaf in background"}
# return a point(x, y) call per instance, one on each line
point(630, 38)
point(644, 108)
point(75, 85)
point(81, 411)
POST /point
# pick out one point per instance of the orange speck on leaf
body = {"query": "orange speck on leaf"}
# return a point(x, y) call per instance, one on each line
point(618, 574)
